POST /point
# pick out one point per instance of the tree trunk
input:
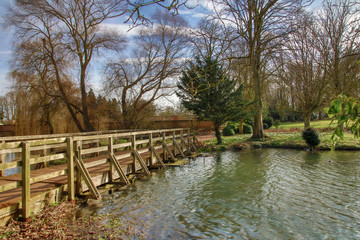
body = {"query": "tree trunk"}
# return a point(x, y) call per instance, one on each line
point(258, 124)
point(307, 117)
point(84, 100)
point(241, 127)
point(217, 133)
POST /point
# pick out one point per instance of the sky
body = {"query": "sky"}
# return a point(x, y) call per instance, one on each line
point(6, 38)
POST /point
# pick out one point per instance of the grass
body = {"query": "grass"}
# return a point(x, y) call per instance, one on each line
point(313, 124)
point(284, 140)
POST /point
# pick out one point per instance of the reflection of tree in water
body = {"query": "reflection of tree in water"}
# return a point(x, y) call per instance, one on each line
point(229, 194)
point(311, 159)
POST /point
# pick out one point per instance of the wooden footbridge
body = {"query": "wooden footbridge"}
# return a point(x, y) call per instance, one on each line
point(46, 167)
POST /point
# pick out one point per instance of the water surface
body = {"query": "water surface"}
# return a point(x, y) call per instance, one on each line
point(257, 194)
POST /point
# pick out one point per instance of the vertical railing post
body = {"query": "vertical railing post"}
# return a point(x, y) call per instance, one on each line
point(2, 158)
point(164, 149)
point(188, 139)
point(78, 148)
point(70, 168)
point(182, 137)
point(111, 166)
point(174, 143)
point(25, 158)
point(133, 148)
point(150, 149)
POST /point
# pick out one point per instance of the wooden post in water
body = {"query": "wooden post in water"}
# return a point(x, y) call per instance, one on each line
point(2, 158)
point(70, 168)
point(78, 148)
point(25, 169)
point(188, 140)
point(111, 166)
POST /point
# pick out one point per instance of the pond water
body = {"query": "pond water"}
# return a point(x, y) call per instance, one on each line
point(255, 194)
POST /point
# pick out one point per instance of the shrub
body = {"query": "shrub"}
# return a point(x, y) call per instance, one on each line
point(269, 121)
point(277, 123)
point(228, 131)
point(266, 126)
point(311, 137)
point(234, 126)
point(247, 129)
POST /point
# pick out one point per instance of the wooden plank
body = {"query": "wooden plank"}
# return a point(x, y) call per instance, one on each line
point(94, 150)
point(78, 147)
point(50, 141)
point(48, 158)
point(12, 150)
point(48, 176)
point(121, 145)
point(43, 147)
point(9, 186)
point(25, 176)
point(70, 168)
point(8, 165)
point(111, 152)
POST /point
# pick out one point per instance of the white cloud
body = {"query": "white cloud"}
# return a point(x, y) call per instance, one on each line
point(120, 28)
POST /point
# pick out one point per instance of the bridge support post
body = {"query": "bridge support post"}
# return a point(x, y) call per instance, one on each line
point(70, 168)
point(25, 158)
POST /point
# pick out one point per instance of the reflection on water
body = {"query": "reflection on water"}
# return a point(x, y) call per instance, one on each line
point(10, 157)
point(258, 194)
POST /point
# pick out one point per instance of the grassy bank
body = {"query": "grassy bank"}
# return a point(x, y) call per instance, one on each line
point(300, 125)
point(281, 140)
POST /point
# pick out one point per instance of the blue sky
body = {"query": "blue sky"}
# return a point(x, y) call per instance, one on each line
point(6, 37)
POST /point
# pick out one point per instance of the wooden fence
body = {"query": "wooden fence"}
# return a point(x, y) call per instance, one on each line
point(80, 162)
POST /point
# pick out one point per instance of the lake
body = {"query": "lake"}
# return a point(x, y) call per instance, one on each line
point(254, 194)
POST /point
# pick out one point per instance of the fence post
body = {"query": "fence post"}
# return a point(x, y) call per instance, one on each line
point(174, 143)
point(150, 149)
point(25, 169)
point(164, 150)
point(78, 147)
point(2, 158)
point(70, 168)
point(189, 139)
point(111, 166)
point(133, 148)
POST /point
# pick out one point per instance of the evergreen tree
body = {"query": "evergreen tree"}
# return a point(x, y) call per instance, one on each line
point(205, 89)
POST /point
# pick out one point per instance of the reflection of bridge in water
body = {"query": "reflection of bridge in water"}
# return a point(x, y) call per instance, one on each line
point(41, 169)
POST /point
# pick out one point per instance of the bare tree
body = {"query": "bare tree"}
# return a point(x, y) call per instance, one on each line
point(149, 74)
point(301, 69)
point(262, 24)
point(339, 34)
point(68, 34)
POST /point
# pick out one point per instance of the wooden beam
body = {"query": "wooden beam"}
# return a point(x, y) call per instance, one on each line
point(153, 150)
point(184, 143)
point(111, 152)
point(141, 161)
point(70, 168)
point(180, 150)
point(25, 157)
point(87, 178)
point(118, 168)
point(78, 148)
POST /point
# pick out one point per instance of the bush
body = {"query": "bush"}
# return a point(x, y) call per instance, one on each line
point(311, 137)
point(228, 131)
point(265, 125)
point(277, 123)
point(269, 121)
point(247, 129)
point(234, 126)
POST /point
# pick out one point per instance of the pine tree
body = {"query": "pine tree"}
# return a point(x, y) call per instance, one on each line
point(206, 89)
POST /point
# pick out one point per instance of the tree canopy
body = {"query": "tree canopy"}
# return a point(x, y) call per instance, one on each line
point(206, 89)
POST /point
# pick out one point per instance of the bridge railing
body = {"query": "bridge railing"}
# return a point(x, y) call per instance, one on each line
point(43, 157)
